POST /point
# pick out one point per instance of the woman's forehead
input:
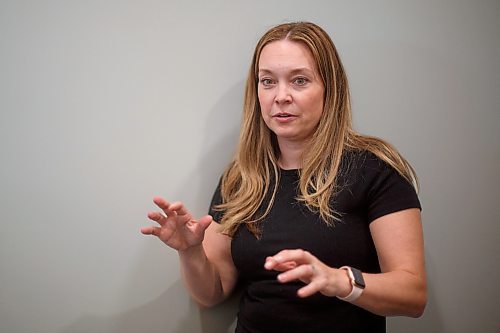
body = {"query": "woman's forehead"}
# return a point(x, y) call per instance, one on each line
point(286, 54)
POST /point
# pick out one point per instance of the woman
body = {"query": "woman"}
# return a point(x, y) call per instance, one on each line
point(320, 224)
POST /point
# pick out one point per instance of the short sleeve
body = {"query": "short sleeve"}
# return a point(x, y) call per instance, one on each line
point(216, 200)
point(388, 191)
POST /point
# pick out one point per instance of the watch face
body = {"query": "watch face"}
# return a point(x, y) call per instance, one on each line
point(358, 277)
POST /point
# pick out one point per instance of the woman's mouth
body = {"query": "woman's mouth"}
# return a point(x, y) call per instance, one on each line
point(284, 117)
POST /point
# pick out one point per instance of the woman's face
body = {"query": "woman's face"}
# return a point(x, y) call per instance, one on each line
point(290, 91)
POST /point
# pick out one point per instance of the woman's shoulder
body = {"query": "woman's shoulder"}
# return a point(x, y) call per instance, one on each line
point(364, 169)
point(368, 176)
point(356, 160)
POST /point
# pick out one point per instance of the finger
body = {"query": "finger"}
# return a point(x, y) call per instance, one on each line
point(310, 289)
point(272, 264)
point(303, 273)
point(165, 206)
point(158, 217)
point(298, 255)
point(204, 222)
point(169, 207)
point(198, 227)
point(154, 231)
point(161, 203)
point(285, 266)
point(179, 208)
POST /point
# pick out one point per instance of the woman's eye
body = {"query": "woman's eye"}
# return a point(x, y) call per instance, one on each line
point(266, 82)
point(300, 81)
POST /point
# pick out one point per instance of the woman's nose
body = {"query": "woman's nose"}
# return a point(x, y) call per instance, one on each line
point(283, 94)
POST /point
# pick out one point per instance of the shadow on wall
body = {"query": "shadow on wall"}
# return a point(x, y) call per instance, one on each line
point(221, 137)
point(154, 317)
point(173, 311)
point(161, 316)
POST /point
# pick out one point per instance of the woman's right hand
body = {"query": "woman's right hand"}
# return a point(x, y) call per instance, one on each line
point(177, 228)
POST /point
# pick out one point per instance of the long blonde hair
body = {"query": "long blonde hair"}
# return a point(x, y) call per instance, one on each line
point(254, 172)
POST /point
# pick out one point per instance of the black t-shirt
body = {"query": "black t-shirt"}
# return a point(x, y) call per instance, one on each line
point(370, 189)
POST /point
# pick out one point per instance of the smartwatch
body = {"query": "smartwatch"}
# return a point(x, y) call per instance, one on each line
point(357, 283)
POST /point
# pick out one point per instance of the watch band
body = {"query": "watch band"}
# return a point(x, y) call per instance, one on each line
point(357, 286)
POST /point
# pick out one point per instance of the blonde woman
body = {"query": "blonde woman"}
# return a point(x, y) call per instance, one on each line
point(319, 224)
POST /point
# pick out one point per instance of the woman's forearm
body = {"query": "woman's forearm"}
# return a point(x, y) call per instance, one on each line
point(201, 276)
point(396, 293)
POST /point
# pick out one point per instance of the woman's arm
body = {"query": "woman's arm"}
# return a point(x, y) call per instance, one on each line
point(208, 269)
point(401, 287)
point(399, 290)
point(205, 254)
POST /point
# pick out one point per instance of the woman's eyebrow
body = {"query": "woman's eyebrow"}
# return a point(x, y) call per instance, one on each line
point(293, 71)
point(265, 71)
point(302, 70)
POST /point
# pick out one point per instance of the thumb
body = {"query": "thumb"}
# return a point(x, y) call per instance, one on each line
point(204, 222)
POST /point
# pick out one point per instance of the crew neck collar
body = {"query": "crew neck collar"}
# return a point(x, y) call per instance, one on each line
point(289, 172)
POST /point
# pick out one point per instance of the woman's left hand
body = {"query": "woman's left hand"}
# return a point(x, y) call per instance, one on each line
point(318, 277)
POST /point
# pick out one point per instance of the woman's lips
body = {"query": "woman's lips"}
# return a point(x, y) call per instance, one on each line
point(284, 117)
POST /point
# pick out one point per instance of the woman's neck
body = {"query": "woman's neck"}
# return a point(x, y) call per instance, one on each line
point(290, 154)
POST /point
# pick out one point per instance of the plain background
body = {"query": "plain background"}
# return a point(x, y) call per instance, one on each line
point(105, 104)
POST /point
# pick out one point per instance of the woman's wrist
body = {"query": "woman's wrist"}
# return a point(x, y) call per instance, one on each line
point(357, 284)
point(344, 283)
point(191, 251)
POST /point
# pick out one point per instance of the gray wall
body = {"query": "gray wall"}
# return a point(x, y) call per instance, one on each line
point(104, 104)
